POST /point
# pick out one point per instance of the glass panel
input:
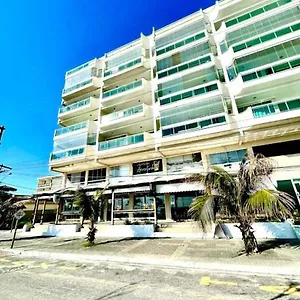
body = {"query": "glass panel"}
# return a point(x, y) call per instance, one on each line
point(281, 67)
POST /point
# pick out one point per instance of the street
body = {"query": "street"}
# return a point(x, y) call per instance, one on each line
point(35, 279)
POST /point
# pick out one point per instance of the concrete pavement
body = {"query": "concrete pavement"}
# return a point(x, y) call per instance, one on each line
point(38, 278)
point(278, 257)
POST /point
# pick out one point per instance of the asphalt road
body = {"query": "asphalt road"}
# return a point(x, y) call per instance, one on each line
point(36, 279)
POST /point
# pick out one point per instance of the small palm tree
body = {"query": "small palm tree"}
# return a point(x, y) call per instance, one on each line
point(250, 195)
point(89, 208)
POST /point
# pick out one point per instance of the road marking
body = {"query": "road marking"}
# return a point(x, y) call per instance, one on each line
point(46, 266)
point(23, 263)
point(68, 268)
point(286, 290)
point(206, 281)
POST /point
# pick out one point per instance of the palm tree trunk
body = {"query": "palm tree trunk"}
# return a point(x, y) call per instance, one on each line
point(249, 239)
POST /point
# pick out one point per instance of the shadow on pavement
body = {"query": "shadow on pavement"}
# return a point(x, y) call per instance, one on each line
point(27, 238)
point(130, 239)
point(293, 287)
point(274, 244)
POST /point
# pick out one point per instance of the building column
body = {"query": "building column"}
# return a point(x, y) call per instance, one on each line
point(131, 205)
point(168, 207)
point(57, 212)
point(205, 162)
point(86, 179)
point(43, 212)
point(36, 208)
point(105, 209)
point(112, 207)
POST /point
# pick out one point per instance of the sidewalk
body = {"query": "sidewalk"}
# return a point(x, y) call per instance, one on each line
point(278, 257)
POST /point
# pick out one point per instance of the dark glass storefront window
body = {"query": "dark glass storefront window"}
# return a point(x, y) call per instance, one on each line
point(160, 207)
point(143, 202)
point(180, 204)
point(121, 203)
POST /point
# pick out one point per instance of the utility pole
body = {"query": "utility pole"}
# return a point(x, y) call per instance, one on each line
point(2, 128)
point(3, 168)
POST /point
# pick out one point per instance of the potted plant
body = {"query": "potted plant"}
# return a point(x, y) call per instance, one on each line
point(27, 226)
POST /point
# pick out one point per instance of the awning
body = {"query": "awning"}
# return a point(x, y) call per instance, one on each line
point(178, 187)
point(133, 189)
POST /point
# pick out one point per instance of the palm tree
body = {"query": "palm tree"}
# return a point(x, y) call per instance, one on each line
point(251, 194)
point(89, 208)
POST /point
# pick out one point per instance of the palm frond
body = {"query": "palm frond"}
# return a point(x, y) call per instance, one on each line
point(220, 181)
point(270, 203)
point(203, 209)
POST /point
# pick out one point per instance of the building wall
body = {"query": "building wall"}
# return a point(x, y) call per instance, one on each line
point(220, 81)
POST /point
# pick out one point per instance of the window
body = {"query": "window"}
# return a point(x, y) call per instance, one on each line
point(76, 177)
point(119, 171)
point(97, 175)
point(179, 163)
point(227, 157)
point(285, 148)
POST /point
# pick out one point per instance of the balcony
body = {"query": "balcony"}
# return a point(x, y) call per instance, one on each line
point(133, 66)
point(267, 37)
point(199, 91)
point(196, 125)
point(133, 114)
point(128, 91)
point(275, 108)
point(72, 128)
point(121, 142)
point(77, 110)
point(81, 88)
point(67, 154)
point(181, 43)
point(256, 12)
point(83, 79)
point(185, 66)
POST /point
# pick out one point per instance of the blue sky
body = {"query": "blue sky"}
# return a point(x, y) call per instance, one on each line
point(39, 41)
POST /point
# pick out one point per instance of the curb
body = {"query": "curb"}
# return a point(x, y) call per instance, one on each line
point(167, 263)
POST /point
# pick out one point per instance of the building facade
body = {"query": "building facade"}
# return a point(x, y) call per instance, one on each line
point(199, 92)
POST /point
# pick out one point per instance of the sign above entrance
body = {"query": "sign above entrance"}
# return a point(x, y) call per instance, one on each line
point(146, 167)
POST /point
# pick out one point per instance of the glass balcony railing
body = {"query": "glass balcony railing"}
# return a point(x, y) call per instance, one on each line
point(77, 86)
point(67, 154)
point(186, 66)
point(272, 70)
point(122, 114)
point(275, 108)
point(122, 89)
point(266, 37)
point(203, 124)
point(120, 142)
point(77, 69)
point(190, 94)
point(76, 105)
point(256, 12)
point(71, 128)
point(181, 43)
point(123, 67)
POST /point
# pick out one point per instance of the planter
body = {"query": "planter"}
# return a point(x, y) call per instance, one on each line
point(62, 230)
point(262, 230)
point(27, 227)
point(297, 230)
point(141, 231)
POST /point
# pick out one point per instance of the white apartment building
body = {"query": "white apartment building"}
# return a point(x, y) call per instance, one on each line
point(199, 92)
